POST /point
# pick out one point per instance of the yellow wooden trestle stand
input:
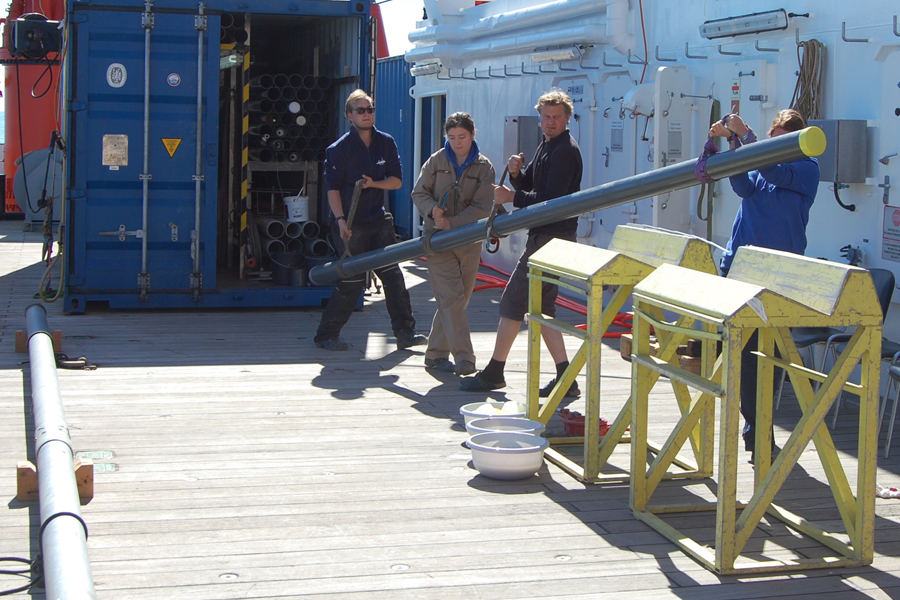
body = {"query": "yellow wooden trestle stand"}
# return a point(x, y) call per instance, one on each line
point(768, 292)
point(633, 254)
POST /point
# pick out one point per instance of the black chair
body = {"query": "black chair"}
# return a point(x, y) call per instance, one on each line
point(835, 339)
point(807, 337)
point(884, 287)
point(894, 374)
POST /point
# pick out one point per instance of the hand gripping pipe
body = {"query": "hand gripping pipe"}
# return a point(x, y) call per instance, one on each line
point(784, 148)
point(63, 536)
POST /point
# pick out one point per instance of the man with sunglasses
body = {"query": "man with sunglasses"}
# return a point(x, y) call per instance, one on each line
point(366, 154)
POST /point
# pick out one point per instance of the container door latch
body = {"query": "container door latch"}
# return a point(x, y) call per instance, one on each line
point(122, 233)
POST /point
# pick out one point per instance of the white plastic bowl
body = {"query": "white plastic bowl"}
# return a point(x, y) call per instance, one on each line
point(476, 426)
point(507, 454)
point(469, 411)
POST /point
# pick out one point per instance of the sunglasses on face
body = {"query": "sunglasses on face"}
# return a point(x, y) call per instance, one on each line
point(363, 110)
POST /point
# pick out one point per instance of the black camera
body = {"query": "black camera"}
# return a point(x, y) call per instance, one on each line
point(33, 36)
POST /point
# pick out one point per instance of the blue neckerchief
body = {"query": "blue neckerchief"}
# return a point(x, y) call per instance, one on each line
point(473, 153)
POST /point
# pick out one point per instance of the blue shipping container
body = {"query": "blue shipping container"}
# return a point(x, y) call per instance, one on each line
point(146, 227)
point(396, 115)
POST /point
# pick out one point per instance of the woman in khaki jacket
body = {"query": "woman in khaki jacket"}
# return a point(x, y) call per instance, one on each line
point(454, 189)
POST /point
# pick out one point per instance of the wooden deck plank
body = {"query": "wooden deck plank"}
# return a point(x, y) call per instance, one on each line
point(241, 448)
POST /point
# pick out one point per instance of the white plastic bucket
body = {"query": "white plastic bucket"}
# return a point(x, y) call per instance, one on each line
point(297, 208)
point(508, 454)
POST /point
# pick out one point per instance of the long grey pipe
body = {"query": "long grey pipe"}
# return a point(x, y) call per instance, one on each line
point(784, 148)
point(67, 570)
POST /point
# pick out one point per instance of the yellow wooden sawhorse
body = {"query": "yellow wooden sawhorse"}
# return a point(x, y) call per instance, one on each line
point(633, 254)
point(798, 292)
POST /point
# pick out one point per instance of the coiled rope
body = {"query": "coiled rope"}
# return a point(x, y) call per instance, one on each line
point(807, 98)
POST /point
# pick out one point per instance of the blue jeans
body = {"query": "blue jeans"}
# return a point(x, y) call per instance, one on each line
point(367, 237)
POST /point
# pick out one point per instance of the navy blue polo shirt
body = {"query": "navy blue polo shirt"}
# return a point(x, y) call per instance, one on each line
point(348, 159)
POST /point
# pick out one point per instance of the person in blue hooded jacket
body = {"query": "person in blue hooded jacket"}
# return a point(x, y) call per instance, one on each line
point(774, 212)
point(776, 200)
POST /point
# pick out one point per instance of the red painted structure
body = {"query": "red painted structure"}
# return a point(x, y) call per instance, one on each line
point(39, 116)
point(382, 48)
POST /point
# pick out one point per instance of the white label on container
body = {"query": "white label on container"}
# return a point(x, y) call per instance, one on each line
point(115, 150)
point(116, 75)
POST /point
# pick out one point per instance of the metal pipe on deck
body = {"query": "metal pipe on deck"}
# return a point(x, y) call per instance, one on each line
point(784, 148)
point(63, 536)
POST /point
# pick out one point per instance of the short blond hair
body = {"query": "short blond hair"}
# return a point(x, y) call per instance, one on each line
point(353, 97)
point(555, 98)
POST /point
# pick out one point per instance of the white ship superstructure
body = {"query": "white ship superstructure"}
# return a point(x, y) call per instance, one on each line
point(647, 78)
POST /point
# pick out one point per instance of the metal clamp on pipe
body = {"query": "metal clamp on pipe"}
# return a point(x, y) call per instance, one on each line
point(36, 322)
point(492, 238)
point(426, 242)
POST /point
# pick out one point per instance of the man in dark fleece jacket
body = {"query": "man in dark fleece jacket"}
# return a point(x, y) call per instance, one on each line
point(554, 171)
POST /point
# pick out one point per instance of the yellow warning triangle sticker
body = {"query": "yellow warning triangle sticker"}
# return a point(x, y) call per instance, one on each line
point(171, 145)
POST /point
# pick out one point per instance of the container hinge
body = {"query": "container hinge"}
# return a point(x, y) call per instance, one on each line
point(147, 18)
point(200, 19)
point(77, 106)
point(144, 285)
point(75, 193)
point(146, 176)
point(122, 233)
point(174, 229)
point(197, 177)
